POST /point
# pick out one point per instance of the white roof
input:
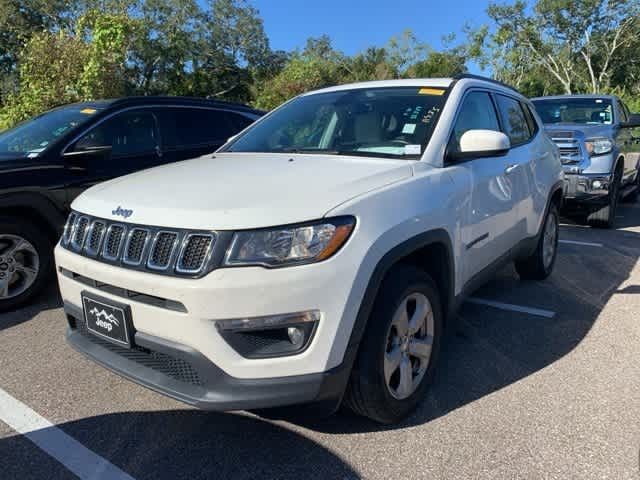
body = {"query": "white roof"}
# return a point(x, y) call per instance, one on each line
point(406, 82)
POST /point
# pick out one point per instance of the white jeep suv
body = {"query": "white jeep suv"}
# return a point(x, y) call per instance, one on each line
point(319, 256)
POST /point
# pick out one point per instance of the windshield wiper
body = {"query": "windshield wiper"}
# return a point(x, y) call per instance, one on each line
point(307, 150)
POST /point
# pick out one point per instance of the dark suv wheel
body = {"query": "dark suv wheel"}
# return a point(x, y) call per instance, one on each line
point(25, 262)
point(400, 347)
point(605, 217)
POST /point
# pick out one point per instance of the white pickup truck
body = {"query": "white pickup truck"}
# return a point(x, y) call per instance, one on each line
point(318, 257)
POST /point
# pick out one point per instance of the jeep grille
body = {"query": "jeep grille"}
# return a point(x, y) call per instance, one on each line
point(153, 249)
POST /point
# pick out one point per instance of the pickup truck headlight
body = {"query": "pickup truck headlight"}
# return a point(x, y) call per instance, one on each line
point(599, 146)
point(289, 245)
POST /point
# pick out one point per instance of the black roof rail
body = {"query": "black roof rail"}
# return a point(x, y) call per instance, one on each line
point(462, 76)
point(182, 100)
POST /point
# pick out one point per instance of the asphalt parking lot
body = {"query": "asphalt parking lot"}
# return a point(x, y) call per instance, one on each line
point(543, 384)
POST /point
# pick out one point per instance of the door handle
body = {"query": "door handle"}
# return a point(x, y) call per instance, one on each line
point(511, 168)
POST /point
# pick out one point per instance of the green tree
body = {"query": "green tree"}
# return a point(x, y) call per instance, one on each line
point(579, 45)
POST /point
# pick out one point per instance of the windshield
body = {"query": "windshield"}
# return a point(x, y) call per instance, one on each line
point(586, 111)
point(385, 122)
point(35, 135)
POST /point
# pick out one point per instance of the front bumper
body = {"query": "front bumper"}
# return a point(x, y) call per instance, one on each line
point(586, 188)
point(185, 374)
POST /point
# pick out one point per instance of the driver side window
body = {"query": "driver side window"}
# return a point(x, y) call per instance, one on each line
point(477, 113)
point(130, 133)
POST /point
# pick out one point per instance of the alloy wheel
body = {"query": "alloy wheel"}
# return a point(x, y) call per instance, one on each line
point(409, 345)
point(19, 265)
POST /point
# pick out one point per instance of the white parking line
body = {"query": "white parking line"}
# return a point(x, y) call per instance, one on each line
point(514, 308)
point(65, 449)
point(586, 244)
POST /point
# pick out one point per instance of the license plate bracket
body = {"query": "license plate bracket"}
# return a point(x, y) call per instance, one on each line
point(108, 319)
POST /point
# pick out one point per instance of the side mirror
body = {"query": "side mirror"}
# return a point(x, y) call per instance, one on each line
point(634, 121)
point(481, 143)
point(80, 159)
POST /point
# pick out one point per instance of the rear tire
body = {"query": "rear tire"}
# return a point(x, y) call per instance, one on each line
point(540, 263)
point(394, 367)
point(26, 262)
point(605, 217)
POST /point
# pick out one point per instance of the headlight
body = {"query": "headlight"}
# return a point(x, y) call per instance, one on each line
point(599, 146)
point(283, 246)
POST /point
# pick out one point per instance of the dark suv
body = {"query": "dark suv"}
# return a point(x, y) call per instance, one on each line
point(47, 161)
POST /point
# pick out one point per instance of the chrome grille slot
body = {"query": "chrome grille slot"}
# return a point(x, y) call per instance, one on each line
point(195, 252)
point(94, 238)
point(113, 242)
point(79, 233)
point(568, 146)
point(162, 250)
point(134, 248)
point(68, 228)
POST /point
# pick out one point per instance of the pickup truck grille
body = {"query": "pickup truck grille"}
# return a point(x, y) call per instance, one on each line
point(569, 147)
point(153, 249)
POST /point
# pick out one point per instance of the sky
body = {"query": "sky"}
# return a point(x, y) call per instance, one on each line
point(354, 25)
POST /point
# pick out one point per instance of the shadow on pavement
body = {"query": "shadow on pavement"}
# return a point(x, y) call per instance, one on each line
point(496, 348)
point(46, 300)
point(191, 444)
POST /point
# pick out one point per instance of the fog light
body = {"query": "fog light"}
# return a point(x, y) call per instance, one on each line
point(270, 336)
point(296, 335)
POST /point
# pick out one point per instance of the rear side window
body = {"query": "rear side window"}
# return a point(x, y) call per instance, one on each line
point(513, 120)
point(189, 127)
point(240, 122)
point(476, 113)
point(531, 121)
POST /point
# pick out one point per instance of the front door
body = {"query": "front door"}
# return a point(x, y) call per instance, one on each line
point(133, 140)
point(487, 230)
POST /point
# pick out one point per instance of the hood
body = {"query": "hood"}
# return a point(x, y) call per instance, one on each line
point(231, 191)
point(588, 131)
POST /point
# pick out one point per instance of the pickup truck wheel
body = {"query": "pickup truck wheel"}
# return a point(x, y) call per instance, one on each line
point(605, 217)
point(540, 264)
point(398, 353)
point(25, 262)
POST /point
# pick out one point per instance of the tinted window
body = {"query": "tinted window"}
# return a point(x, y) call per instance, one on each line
point(240, 122)
point(32, 137)
point(187, 127)
point(477, 113)
point(531, 121)
point(623, 112)
point(513, 120)
point(127, 134)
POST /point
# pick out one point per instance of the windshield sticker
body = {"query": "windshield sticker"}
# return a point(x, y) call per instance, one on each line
point(431, 91)
point(412, 149)
point(409, 128)
point(88, 111)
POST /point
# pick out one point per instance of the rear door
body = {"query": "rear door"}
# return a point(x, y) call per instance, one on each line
point(133, 138)
point(629, 140)
point(487, 232)
point(189, 132)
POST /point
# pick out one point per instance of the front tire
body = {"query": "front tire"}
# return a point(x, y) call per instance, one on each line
point(605, 217)
point(540, 263)
point(25, 262)
point(398, 353)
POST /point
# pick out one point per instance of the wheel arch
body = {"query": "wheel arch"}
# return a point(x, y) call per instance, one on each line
point(431, 251)
point(36, 208)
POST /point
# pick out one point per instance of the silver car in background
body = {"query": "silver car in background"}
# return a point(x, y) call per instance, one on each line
point(599, 143)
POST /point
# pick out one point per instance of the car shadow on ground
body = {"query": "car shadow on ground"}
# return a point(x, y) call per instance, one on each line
point(46, 300)
point(191, 444)
point(495, 348)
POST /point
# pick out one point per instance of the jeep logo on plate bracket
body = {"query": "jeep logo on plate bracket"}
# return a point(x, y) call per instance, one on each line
point(122, 212)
